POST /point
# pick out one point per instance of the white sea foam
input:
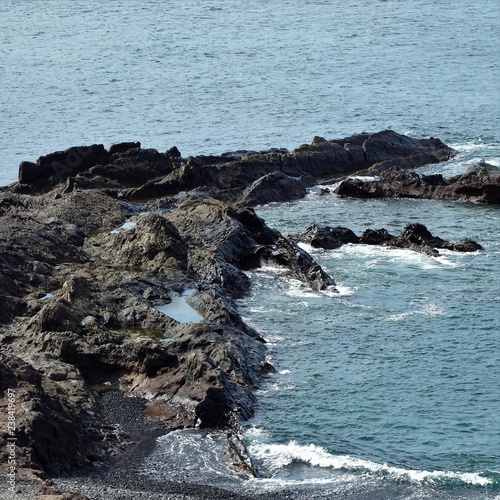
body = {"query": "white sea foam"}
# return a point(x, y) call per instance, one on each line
point(344, 291)
point(306, 247)
point(365, 178)
point(269, 269)
point(400, 316)
point(429, 310)
point(447, 258)
point(277, 456)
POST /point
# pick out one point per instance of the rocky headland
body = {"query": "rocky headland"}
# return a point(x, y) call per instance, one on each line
point(480, 184)
point(95, 241)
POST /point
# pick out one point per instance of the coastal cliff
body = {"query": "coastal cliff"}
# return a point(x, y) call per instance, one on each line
point(95, 242)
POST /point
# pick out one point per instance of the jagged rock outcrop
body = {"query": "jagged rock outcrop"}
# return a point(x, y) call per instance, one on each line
point(129, 172)
point(57, 421)
point(88, 301)
point(478, 184)
point(413, 236)
point(274, 187)
point(86, 262)
point(326, 237)
point(288, 254)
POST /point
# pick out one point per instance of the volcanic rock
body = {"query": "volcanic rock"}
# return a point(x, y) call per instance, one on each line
point(479, 184)
point(413, 236)
point(87, 259)
point(273, 187)
point(326, 237)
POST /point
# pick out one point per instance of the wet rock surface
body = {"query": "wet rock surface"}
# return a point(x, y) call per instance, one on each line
point(94, 240)
point(479, 184)
point(414, 236)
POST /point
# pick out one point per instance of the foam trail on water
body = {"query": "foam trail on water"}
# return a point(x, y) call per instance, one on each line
point(277, 456)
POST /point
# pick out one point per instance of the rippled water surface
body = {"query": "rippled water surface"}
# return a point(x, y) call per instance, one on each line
point(216, 76)
point(394, 382)
point(398, 373)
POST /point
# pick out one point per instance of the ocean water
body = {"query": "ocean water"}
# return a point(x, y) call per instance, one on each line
point(389, 389)
point(397, 376)
point(215, 76)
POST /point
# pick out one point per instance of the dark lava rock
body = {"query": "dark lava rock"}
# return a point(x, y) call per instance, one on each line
point(80, 291)
point(479, 184)
point(127, 171)
point(237, 457)
point(154, 242)
point(326, 237)
point(273, 187)
point(375, 237)
point(56, 167)
point(50, 434)
point(466, 245)
point(288, 254)
point(413, 236)
point(327, 158)
point(123, 146)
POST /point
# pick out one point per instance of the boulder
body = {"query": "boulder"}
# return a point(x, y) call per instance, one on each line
point(375, 237)
point(153, 243)
point(273, 187)
point(326, 237)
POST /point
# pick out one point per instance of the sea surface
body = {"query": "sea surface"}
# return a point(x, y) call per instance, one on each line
point(390, 388)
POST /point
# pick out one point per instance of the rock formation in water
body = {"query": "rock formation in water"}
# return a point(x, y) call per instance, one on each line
point(413, 236)
point(479, 184)
point(79, 288)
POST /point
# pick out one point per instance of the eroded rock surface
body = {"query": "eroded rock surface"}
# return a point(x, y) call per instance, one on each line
point(413, 236)
point(93, 241)
point(479, 184)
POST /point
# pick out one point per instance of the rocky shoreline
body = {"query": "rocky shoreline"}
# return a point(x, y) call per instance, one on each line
point(479, 184)
point(94, 241)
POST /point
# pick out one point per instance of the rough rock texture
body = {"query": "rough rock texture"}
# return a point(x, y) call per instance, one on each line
point(49, 432)
point(127, 171)
point(87, 256)
point(82, 304)
point(413, 236)
point(326, 237)
point(288, 254)
point(478, 184)
point(274, 187)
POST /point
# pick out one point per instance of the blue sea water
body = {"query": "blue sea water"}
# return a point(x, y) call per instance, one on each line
point(215, 76)
point(397, 375)
point(392, 386)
